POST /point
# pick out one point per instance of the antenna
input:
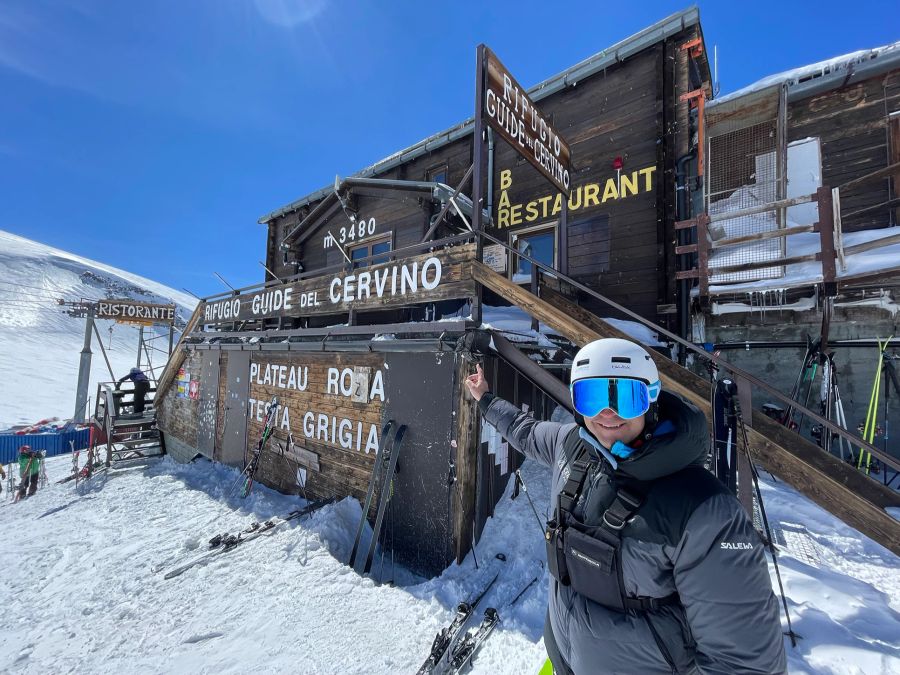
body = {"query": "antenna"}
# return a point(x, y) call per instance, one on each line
point(225, 282)
point(277, 278)
point(189, 293)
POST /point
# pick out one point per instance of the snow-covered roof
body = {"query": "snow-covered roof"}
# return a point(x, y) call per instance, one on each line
point(830, 73)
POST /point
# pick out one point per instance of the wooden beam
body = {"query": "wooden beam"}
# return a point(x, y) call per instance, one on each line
point(869, 245)
point(832, 484)
point(771, 234)
point(762, 208)
point(881, 173)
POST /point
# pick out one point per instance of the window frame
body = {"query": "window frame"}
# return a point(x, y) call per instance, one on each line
point(549, 226)
point(431, 173)
point(369, 243)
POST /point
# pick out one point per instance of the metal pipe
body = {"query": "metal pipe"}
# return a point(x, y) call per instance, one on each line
point(84, 369)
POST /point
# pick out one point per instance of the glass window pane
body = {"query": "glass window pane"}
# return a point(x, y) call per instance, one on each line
point(538, 245)
point(359, 253)
point(381, 247)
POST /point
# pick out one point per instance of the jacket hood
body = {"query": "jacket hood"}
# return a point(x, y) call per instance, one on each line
point(674, 446)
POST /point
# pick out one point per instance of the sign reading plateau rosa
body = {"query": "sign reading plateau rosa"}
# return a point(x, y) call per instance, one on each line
point(405, 281)
point(512, 114)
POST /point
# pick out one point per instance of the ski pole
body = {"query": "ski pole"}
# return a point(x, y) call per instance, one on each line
point(534, 510)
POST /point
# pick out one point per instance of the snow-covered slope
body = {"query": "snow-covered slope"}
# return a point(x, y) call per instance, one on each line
point(40, 345)
point(80, 593)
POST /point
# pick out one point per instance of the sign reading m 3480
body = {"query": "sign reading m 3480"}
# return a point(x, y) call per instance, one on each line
point(128, 311)
point(513, 115)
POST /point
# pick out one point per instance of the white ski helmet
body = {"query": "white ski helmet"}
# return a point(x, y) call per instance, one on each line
point(614, 357)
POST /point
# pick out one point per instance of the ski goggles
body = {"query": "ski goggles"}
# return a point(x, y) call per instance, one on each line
point(626, 397)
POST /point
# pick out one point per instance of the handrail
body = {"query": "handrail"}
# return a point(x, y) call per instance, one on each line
point(322, 271)
point(718, 361)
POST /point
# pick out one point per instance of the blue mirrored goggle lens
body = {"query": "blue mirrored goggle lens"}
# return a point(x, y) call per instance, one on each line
point(627, 398)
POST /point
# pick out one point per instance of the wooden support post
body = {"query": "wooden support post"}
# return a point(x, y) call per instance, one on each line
point(466, 458)
point(703, 255)
point(479, 158)
point(826, 235)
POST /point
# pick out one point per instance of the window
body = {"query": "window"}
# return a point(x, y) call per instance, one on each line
point(437, 174)
point(370, 248)
point(538, 243)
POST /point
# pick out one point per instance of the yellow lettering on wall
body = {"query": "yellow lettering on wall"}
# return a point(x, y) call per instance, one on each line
point(515, 215)
point(557, 203)
point(628, 184)
point(611, 192)
point(574, 204)
point(647, 173)
point(591, 194)
point(581, 197)
point(544, 201)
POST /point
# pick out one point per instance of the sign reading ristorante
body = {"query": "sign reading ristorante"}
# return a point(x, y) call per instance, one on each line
point(513, 115)
point(426, 278)
point(128, 311)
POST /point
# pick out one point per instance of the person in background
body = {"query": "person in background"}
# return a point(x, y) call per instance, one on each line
point(141, 387)
point(2, 476)
point(655, 566)
point(29, 471)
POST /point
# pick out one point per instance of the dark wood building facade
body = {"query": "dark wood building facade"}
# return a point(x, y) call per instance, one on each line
point(370, 297)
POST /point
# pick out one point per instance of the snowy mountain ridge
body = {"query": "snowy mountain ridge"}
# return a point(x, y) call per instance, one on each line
point(40, 344)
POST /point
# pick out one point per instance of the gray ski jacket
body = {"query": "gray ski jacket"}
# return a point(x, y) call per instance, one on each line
point(691, 536)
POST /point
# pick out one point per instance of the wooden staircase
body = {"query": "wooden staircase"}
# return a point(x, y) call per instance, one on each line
point(832, 484)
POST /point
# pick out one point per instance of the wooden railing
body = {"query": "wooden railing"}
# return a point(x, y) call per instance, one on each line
point(829, 227)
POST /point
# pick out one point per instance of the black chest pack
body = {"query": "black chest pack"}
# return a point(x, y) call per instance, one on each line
point(589, 557)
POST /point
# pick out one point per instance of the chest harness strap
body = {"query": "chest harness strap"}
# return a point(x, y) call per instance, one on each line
point(589, 557)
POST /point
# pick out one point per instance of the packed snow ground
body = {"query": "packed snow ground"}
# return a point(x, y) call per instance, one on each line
point(81, 593)
point(40, 346)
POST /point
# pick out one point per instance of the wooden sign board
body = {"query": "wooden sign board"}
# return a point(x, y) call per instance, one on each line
point(329, 419)
point(512, 114)
point(441, 275)
point(129, 311)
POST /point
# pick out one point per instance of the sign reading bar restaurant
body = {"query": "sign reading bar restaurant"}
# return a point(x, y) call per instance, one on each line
point(128, 311)
point(513, 115)
point(440, 275)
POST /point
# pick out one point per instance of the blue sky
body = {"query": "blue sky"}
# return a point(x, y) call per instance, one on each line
point(152, 135)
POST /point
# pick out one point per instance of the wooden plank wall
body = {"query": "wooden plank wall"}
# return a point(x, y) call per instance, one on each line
point(852, 125)
point(220, 404)
point(612, 245)
point(180, 416)
point(342, 471)
point(618, 246)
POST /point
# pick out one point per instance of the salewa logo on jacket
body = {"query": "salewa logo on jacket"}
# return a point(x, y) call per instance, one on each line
point(736, 546)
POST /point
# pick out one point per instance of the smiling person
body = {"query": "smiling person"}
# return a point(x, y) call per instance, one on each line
point(656, 567)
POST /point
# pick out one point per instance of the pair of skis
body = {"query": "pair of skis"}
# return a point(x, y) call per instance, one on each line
point(382, 481)
point(223, 543)
point(451, 656)
point(246, 477)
